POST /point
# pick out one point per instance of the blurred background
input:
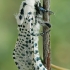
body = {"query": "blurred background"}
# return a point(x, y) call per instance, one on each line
point(60, 33)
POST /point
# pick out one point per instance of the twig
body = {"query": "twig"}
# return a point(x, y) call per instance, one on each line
point(58, 68)
point(46, 37)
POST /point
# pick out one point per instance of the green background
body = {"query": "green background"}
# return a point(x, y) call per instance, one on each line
point(60, 33)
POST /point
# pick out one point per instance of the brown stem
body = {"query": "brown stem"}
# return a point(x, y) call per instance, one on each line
point(46, 37)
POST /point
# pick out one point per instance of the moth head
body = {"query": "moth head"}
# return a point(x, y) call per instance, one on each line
point(37, 5)
point(30, 2)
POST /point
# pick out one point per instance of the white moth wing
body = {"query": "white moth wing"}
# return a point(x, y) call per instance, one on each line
point(17, 15)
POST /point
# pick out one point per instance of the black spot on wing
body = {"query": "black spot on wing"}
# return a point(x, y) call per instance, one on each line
point(27, 52)
point(24, 4)
point(25, 32)
point(22, 47)
point(13, 53)
point(26, 38)
point(31, 18)
point(20, 17)
point(32, 29)
point(37, 58)
point(19, 34)
point(29, 63)
point(22, 11)
point(36, 51)
point(29, 13)
point(18, 67)
point(21, 57)
point(19, 25)
point(23, 54)
point(20, 29)
point(35, 44)
point(23, 44)
point(29, 41)
point(28, 20)
point(14, 58)
point(34, 60)
point(32, 43)
point(25, 29)
point(28, 35)
point(17, 39)
point(31, 52)
point(22, 39)
point(32, 46)
point(24, 35)
point(31, 24)
point(40, 65)
point(43, 68)
point(23, 26)
point(16, 63)
point(34, 68)
point(14, 50)
point(26, 45)
point(26, 41)
point(32, 38)
point(28, 31)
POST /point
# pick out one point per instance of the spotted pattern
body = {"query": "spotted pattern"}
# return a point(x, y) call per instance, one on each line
point(26, 54)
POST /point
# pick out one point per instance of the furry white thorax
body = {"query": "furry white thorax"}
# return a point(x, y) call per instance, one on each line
point(32, 2)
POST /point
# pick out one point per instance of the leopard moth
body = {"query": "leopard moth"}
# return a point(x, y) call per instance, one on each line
point(26, 54)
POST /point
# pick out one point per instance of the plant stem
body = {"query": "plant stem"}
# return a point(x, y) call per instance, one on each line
point(58, 68)
point(46, 37)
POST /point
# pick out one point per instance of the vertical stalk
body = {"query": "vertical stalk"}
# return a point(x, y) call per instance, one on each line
point(46, 36)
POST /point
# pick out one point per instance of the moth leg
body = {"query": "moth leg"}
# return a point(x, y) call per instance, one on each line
point(40, 9)
point(42, 33)
point(43, 22)
point(44, 10)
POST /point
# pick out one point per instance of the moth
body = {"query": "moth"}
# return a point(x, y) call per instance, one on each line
point(26, 54)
